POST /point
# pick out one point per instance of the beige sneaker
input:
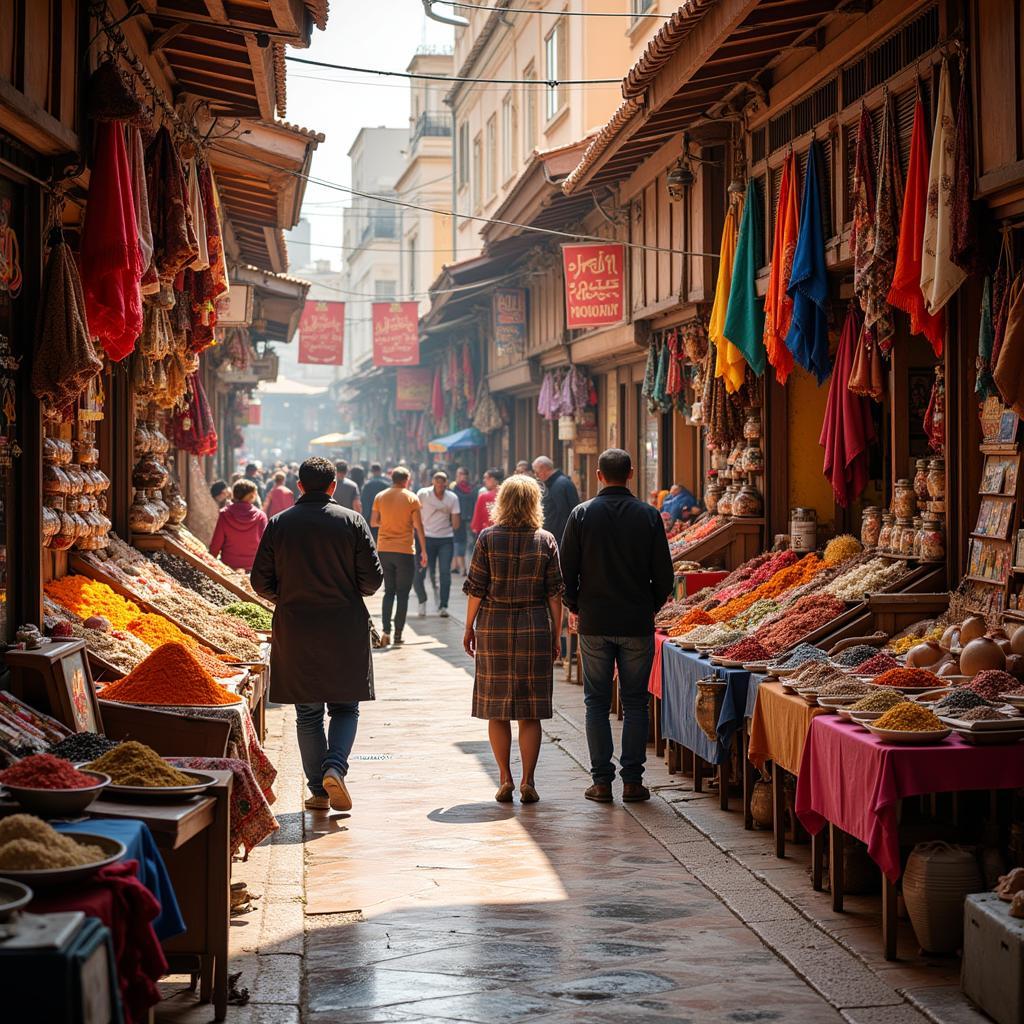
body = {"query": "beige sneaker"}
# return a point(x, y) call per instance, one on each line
point(316, 803)
point(337, 792)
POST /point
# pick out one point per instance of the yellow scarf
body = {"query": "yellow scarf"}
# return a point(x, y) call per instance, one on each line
point(729, 361)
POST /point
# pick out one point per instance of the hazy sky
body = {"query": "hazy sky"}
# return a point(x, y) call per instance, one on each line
point(381, 34)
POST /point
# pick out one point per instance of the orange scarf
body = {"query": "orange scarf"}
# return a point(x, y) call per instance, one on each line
point(778, 306)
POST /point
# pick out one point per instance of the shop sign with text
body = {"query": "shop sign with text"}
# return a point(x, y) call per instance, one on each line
point(508, 310)
point(322, 333)
point(396, 334)
point(413, 385)
point(595, 284)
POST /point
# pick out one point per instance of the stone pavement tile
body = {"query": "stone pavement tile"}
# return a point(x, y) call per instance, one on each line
point(884, 1015)
point(948, 1004)
point(364, 988)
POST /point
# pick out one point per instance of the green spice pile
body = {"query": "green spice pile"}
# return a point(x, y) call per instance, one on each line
point(28, 844)
point(880, 699)
point(252, 614)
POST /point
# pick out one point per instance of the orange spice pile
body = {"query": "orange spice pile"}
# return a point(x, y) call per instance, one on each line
point(170, 675)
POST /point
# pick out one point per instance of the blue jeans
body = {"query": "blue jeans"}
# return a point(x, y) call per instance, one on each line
point(320, 752)
point(439, 553)
point(634, 656)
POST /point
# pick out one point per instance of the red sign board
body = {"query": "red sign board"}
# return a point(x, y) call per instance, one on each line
point(322, 333)
point(595, 284)
point(413, 385)
point(508, 310)
point(396, 334)
point(255, 417)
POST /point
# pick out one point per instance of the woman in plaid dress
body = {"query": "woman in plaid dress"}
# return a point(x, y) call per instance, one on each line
point(513, 626)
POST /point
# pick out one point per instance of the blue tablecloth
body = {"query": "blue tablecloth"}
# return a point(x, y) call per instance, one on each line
point(680, 672)
point(140, 846)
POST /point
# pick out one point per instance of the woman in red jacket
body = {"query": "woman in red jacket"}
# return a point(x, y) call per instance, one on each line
point(279, 497)
point(239, 528)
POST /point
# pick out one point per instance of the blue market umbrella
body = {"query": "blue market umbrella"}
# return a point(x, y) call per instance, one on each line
point(461, 439)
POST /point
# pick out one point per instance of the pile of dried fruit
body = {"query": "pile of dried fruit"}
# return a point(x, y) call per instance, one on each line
point(840, 548)
point(908, 717)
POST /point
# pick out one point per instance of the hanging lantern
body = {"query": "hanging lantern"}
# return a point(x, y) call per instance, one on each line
point(679, 179)
point(566, 428)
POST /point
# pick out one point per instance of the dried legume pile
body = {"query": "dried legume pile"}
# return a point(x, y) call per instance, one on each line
point(845, 687)
point(44, 771)
point(193, 578)
point(992, 682)
point(876, 664)
point(746, 650)
point(118, 647)
point(134, 764)
point(879, 700)
point(897, 677)
point(855, 655)
point(981, 714)
point(800, 656)
point(908, 717)
point(82, 746)
point(815, 673)
point(28, 844)
point(253, 614)
point(959, 700)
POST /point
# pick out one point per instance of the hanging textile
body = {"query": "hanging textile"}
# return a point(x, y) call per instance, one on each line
point(65, 358)
point(174, 239)
point(984, 385)
point(778, 306)
point(674, 383)
point(197, 211)
point(140, 196)
point(808, 287)
point(659, 397)
point(1009, 367)
point(193, 429)
point(110, 261)
point(468, 383)
point(487, 416)
point(848, 429)
point(965, 246)
point(867, 375)
point(729, 360)
point(437, 397)
point(214, 234)
point(940, 276)
point(862, 226)
point(878, 270)
point(935, 414)
point(1005, 273)
point(744, 317)
point(905, 293)
point(575, 392)
point(650, 374)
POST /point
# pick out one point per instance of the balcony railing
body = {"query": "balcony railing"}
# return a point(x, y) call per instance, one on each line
point(437, 125)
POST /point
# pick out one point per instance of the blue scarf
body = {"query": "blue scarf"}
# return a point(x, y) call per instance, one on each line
point(808, 284)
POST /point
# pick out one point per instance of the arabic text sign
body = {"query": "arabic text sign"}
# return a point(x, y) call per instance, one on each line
point(396, 334)
point(595, 284)
point(322, 333)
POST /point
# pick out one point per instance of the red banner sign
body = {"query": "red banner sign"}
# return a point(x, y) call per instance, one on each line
point(396, 334)
point(508, 310)
point(255, 417)
point(322, 333)
point(595, 284)
point(413, 385)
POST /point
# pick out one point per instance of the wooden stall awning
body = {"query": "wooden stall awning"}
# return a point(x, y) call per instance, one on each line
point(279, 301)
point(288, 21)
point(707, 51)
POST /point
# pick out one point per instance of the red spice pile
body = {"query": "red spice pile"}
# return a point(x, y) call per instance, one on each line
point(877, 663)
point(992, 682)
point(746, 650)
point(897, 677)
point(763, 572)
point(809, 613)
point(44, 771)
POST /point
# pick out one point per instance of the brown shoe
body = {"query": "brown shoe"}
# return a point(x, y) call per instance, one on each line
point(337, 791)
point(600, 792)
point(634, 792)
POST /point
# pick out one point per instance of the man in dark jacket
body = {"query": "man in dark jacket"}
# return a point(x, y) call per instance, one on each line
point(317, 562)
point(618, 573)
point(560, 496)
point(375, 483)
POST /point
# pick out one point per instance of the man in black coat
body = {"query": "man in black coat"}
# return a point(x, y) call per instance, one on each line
point(618, 573)
point(560, 496)
point(316, 562)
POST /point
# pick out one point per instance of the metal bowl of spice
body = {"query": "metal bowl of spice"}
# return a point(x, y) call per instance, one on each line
point(33, 853)
point(13, 896)
point(139, 771)
point(51, 787)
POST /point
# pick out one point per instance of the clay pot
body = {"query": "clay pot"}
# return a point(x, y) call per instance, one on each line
point(1017, 641)
point(761, 804)
point(938, 878)
point(951, 637)
point(924, 655)
point(708, 706)
point(981, 654)
point(972, 627)
point(949, 668)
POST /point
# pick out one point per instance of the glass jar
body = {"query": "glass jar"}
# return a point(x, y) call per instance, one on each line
point(725, 501)
point(904, 501)
point(803, 529)
point(712, 493)
point(55, 480)
point(149, 473)
point(142, 517)
point(719, 459)
point(933, 538)
point(752, 427)
point(921, 481)
point(143, 440)
point(870, 526)
point(64, 537)
point(937, 479)
point(885, 533)
point(50, 525)
point(915, 548)
point(905, 525)
point(748, 503)
point(177, 506)
point(753, 459)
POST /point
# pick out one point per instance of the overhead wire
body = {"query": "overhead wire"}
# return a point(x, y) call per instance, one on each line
point(554, 14)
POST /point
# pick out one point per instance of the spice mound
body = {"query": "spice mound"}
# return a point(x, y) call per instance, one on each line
point(981, 714)
point(746, 650)
point(815, 673)
point(840, 548)
point(134, 764)
point(170, 675)
point(897, 677)
point(992, 682)
point(800, 656)
point(877, 663)
point(960, 700)
point(908, 717)
point(82, 746)
point(853, 656)
point(29, 844)
point(252, 614)
point(845, 687)
point(879, 700)
point(44, 771)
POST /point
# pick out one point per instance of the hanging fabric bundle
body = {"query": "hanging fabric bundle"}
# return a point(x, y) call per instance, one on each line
point(174, 240)
point(965, 246)
point(674, 383)
point(140, 195)
point(1005, 273)
point(650, 374)
point(1008, 371)
point(744, 317)
point(193, 429)
point(214, 235)
point(807, 338)
point(905, 293)
point(778, 307)
point(867, 375)
point(660, 402)
point(65, 358)
point(848, 429)
point(197, 212)
point(109, 255)
point(437, 397)
point(729, 360)
point(877, 276)
point(940, 276)
point(984, 385)
point(862, 226)
point(468, 383)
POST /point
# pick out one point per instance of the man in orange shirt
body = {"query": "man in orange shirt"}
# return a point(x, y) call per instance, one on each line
point(396, 516)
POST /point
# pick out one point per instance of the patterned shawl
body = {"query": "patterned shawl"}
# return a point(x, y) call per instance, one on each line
point(862, 228)
point(965, 249)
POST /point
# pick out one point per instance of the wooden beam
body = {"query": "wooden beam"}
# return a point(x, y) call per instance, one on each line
point(262, 60)
point(33, 125)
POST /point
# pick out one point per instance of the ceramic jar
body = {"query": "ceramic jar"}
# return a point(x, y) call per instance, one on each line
point(177, 506)
point(142, 516)
point(937, 880)
point(870, 526)
point(921, 481)
point(708, 706)
point(937, 479)
point(885, 533)
point(904, 501)
point(933, 538)
point(748, 503)
point(149, 473)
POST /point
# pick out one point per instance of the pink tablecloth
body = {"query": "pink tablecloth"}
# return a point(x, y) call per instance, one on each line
point(855, 781)
point(654, 683)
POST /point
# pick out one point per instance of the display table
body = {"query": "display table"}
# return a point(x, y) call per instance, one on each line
point(854, 782)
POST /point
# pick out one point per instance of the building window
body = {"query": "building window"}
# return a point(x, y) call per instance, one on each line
point(384, 291)
point(508, 136)
point(478, 173)
point(530, 111)
point(640, 9)
point(463, 154)
point(555, 68)
point(492, 155)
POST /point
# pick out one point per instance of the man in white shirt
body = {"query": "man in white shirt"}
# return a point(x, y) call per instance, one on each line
point(440, 512)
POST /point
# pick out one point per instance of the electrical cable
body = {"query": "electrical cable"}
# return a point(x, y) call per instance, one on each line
point(554, 14)
point(395, 85)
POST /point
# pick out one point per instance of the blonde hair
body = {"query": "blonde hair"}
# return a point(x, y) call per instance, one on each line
point(518, 504)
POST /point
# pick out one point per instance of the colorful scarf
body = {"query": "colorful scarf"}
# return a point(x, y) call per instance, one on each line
point(744, 316)
point(808, 286)
point(140, 193)
point(197, 211)
point(729, 362)
point(905, 293)
point(965, 248)
point(110, 260)
point(437, 398)
point(778, 308)
point(862, 227)
point(174, 238)
point(848, 429)
point(940, 276)
point(867, 375)
point(881, 263)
